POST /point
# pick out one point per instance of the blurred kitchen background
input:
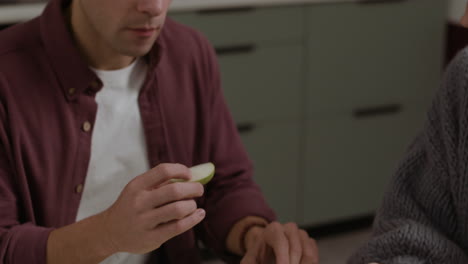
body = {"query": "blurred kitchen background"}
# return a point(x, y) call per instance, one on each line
point(327, 95)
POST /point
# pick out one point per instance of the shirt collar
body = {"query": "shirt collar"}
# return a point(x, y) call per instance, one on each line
point(72, 70)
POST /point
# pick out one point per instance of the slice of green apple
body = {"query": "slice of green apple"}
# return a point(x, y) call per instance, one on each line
point(202, 173)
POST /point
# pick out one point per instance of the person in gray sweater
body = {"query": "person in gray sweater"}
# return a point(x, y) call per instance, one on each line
point(424, 215)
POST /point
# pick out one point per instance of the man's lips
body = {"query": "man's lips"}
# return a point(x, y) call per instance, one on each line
point(143, 31)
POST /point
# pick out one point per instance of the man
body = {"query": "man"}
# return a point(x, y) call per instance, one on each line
point(424, 216)
point(96, 92)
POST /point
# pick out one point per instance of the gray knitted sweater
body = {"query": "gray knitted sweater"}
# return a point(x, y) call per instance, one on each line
point(424, 215)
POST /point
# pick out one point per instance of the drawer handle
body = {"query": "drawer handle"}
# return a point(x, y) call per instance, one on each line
point(239, 49)
point(244, 128)
point(376, 2)
point(391, 109)
point(223, 11)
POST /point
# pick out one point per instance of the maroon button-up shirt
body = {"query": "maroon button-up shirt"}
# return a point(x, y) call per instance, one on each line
point(47, 112)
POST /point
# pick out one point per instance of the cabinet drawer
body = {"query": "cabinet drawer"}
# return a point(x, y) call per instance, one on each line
point(263, 83)
point(274, 149)
point(349, 161)
point(363, 54)
point(235, 26)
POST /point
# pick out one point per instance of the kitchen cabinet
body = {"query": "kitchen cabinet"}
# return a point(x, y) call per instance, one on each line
point(327, 96)
point(372, 71)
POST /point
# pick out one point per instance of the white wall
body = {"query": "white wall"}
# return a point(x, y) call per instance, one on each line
point(456, 10)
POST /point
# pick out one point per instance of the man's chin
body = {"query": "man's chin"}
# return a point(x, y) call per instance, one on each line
point(137, 51)
point(140, 53)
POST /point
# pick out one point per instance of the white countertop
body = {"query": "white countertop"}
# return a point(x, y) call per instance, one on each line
point(20, 12)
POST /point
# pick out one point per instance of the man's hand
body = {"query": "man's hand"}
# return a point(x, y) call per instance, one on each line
point(281, 244)
point(150, 211)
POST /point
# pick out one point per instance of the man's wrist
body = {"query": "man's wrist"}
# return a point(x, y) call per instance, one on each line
point(81, 242)
point(252, 234)
point(104, 244)
point(237, 236)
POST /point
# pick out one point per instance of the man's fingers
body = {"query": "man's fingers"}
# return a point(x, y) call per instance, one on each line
point(161, 174)
point(248, 260)
point(175, 228)
point(309, 249)
point(276, 239)
point(295, 245)
point(171, 193)
point(252, 254)
point(170, 212)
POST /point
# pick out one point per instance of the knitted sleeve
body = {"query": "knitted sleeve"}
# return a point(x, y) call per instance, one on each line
point(420, 218)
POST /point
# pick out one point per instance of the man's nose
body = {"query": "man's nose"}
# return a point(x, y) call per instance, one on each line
point(151, 7)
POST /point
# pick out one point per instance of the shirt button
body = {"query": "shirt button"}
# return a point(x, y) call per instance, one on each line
point(71, 91)
point(86, 126)
point(79, 188)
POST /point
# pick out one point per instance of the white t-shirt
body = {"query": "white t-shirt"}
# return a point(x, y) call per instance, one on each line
point(118, 149)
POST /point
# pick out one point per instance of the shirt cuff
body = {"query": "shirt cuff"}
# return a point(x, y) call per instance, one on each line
point(25, 244)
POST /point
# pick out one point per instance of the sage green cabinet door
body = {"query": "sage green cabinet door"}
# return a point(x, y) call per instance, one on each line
point(274, 149)
point(350, 161)
point(247, 26)
point(366, 54)
point(263, 84)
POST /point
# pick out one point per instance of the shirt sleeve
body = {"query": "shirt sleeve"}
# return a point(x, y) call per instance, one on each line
point(419, 220)
point(232, 194)
point(20, 241)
